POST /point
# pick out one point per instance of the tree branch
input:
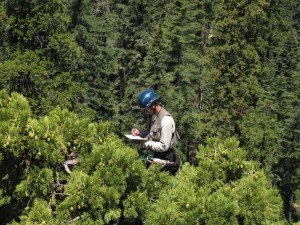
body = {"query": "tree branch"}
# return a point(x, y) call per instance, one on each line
point(73, 220)
point(70, 162)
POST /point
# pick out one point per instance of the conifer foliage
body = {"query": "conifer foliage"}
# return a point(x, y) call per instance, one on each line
point(107, 183)
point(70, 75)
point(41, 59)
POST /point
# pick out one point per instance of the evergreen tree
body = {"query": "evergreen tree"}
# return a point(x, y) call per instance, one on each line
point(171, 42)
point(107, 31)
point(233, 93)
point(282, 84)
point(96, 29)
point(109, 184)
point(42, 60)
point(40, 186)
point(224, 189)
point(14, 112)
point(222, 68)
point(32, 151)
point(183, 39)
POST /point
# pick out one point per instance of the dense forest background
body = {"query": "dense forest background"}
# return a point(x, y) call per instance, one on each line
point(70, 74)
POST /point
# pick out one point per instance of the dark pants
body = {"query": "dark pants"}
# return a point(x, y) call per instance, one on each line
point(172, 157)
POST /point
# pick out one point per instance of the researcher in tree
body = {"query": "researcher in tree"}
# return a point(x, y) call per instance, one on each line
point(161, 132)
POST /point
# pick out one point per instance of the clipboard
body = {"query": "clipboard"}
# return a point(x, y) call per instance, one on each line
point(138, 138)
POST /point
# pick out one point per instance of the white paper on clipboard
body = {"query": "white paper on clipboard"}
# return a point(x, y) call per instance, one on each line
point(131, 137)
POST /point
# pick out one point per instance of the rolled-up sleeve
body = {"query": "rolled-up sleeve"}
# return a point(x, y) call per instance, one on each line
point(167, 129)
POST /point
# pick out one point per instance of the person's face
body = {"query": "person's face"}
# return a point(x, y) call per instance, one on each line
point(149, 111)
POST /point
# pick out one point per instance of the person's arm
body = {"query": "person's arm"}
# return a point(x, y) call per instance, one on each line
point(143, 132)
point(167, 129)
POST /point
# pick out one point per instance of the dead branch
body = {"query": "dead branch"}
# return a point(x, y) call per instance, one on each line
point(73, 220)
point(66, 168)
point(70, 162)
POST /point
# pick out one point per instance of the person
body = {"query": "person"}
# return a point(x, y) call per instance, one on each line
point(161, 132)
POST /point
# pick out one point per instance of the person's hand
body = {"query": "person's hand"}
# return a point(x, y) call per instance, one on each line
point(135, 132)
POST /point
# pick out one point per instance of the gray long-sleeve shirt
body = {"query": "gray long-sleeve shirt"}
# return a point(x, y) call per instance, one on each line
point(167, 130)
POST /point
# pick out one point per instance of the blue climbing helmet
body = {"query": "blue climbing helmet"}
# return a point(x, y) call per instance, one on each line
point(146, 98)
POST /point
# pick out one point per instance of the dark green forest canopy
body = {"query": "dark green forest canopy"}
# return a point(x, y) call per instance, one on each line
point(228, 71)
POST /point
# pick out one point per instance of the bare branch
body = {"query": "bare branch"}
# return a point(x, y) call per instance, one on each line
point(66, 168)
point(73, 220)
point(63, 194)
point(70, 162)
